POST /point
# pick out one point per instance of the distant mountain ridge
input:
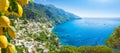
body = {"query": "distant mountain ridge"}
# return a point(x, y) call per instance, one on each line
point(49, 12)
point(61, 12)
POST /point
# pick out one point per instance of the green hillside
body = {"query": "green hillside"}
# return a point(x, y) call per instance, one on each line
point(49, 12)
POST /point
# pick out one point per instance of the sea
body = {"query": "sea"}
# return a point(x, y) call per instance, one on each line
point(86, 31)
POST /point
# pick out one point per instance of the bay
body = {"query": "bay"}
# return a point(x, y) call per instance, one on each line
point(86, 31)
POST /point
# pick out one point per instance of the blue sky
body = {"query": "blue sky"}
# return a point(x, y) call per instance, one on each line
point(87, 8)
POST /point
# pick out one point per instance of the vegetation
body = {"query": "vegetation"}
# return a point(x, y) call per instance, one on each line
point(68, 49)
point(48, 12)
point(95, 49)
point(114, 39)
point(84, 49)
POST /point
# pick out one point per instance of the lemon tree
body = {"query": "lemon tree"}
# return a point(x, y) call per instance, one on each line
point(9, 7)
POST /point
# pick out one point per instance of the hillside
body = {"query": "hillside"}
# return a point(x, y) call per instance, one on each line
point(49, 12)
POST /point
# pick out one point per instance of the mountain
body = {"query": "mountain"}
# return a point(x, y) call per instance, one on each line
point(49, 12)
point(61, 12)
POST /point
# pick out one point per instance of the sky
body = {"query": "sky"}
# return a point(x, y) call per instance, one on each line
point(87, 8)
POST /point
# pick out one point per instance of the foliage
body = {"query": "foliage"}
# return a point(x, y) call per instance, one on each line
point(20, 49)
point(85, 49)
point(54, 51)
point(95, 49)
point(68, 49)
point(114, 40)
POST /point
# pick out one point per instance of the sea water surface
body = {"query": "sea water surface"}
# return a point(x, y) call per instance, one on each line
point(86, 31)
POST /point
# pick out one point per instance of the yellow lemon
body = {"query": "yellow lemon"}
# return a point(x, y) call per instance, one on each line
point(3, 41)
point(11, 49)
point(1, 31)
point(4, 21)
point(22, 2)
point(11, 32)
point(19, 10)
point(4, 4)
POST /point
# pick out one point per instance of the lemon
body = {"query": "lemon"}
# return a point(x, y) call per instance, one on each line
point(11, 49)
point(3, 41)
point(19, 10)
point(22, 2)
point(4, 21)
point(11, 32)
point(4, 4)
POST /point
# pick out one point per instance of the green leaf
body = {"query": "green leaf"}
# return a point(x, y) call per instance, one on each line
point(2, 13)
point(31, 1)
point(13, 28)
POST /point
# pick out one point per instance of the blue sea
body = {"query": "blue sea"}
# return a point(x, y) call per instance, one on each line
point(86, 31)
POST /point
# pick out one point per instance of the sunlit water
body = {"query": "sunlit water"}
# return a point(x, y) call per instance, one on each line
point(86, 32)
